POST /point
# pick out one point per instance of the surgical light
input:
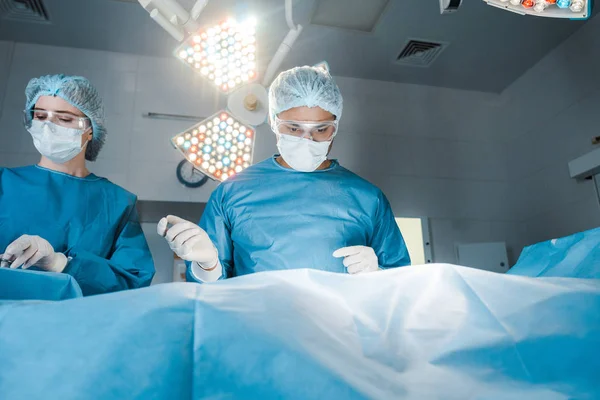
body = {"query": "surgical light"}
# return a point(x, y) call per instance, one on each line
point(571, 9)
point(224, 54)
point(219, 158)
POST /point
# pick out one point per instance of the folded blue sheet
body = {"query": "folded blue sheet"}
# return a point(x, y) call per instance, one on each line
point(17, 284)
point(575, 256)
point(423, 332)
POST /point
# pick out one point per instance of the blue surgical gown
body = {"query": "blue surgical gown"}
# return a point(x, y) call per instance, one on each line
point(91, 220)
point(273, 218)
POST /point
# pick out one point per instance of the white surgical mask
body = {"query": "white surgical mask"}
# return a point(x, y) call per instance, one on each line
point(302, 154)
point(57, 143)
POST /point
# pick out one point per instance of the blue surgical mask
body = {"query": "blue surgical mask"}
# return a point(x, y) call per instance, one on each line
point(57, 143)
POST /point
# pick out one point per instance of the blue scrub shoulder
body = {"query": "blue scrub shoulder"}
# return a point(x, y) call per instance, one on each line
point(34, 174)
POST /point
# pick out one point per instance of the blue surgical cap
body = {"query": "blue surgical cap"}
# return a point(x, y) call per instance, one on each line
point(305, 87)
point(78, 92)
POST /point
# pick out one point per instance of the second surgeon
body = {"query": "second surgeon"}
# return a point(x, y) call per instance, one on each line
point(57, 216)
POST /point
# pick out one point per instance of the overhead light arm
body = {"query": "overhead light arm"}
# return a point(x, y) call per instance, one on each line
point(289, 7)
point(174, 8)
point(175, 31)
point(284, 47)
point(282, 51)
point(197, 9)
point(172, 17)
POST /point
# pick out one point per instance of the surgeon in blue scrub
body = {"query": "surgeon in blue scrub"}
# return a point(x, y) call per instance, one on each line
point(297, 209)
point(57, 216)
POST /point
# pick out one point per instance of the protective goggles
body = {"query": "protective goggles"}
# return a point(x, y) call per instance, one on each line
point(316, 131)
point(63, 119)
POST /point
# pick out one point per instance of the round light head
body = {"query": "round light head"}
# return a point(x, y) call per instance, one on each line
point(220, 154)
point(215, 53)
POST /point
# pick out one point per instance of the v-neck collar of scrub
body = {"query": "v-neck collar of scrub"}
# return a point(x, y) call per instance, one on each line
point(90, 177)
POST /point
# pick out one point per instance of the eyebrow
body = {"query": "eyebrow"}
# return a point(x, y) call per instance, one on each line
point(62, 112)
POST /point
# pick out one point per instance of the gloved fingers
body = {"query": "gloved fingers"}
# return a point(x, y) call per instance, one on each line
point(179, 228)
point(364, 267)
point(357, 268)
point(18, 246)
point(5, 260)
point(37, 256)
point(23, 257)
point(178, 240)
point(184, 236)
point(175, 225)
point(187, 247)
point(161, 228)
point(15, 249)
point(347, 251)
point(170, 220)
point(353, 260)
point(173, 219)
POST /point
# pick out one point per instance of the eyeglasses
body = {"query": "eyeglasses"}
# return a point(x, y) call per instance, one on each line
point(322, 131)
point(63, 119)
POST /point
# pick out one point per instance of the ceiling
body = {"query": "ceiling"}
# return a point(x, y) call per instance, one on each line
point(487, 48)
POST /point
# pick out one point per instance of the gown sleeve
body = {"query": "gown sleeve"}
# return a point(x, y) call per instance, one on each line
point(215, 222)
point(129, 265)
point(387, 240)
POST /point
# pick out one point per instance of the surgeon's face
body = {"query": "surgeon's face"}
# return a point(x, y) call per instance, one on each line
point(307, 114)
point(56, 104)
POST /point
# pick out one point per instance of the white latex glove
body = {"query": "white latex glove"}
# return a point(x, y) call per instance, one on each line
point(28, 250)
point(358, 259)
point(188, 241)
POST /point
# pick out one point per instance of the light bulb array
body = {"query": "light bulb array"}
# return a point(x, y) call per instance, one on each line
point(550, 8)
point(224, 54)
point(220, 146)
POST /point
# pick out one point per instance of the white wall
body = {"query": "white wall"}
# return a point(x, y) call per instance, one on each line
point(552, 114)
point(433, 151)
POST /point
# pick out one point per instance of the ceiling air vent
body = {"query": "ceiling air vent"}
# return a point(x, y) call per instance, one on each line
point(419, 53)
point(24, 10)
